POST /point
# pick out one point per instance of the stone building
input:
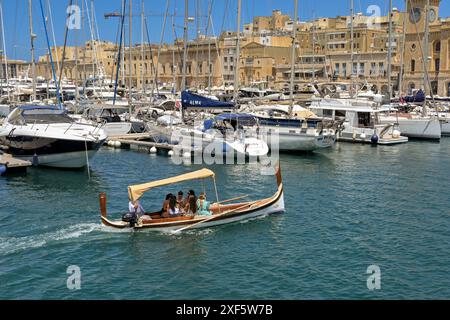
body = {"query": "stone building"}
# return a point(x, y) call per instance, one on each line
point(323, 53)
point(436, 56)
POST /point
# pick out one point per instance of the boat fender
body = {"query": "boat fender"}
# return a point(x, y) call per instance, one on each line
point(396, 134)
point(117, 144)
point(362, 135)
point(374, 139)
point(153, 150)
point(170, 153)
point(2, 169)
point(35, 161)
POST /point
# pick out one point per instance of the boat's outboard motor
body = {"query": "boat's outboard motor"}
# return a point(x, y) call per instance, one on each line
point(130, 217)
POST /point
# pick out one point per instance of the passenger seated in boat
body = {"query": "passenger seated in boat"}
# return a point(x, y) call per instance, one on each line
point(174, 209)
point(165, 206)
point(203, 205)
point(190, 207)
point(180, 201)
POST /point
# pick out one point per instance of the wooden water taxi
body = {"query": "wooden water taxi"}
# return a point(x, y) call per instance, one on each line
point(221, 213)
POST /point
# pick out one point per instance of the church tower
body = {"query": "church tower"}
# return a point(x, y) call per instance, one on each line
point(416, 19)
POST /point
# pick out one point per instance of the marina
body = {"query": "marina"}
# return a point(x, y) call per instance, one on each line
point(273, 158)
point(346, 209)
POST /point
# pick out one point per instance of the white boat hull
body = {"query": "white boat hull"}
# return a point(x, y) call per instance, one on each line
point(67, 160)
point(364, 135)
point(417, 128)
point(117, 128)
point(295, 142)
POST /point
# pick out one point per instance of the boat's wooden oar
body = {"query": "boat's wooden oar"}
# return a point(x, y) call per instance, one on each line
point(215, 216)
point(232, 199)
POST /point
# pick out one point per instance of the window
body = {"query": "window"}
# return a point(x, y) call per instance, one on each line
point(434, 87)
point(336, 69)
point(381, 69)
point(361, 68)
point(413, 65)
point(437, 46)
point(355, 68)
point(344, 69)
point(373, 68)
point(437, 64)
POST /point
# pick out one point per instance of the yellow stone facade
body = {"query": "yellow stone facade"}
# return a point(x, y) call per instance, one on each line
point(323, 53)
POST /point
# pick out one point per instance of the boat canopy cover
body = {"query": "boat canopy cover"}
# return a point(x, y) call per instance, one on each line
point(418, 97)
point(235, 116)
point(137, 191)
point(192, 100)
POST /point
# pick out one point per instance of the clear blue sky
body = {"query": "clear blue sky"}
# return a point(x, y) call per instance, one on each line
point(16, 25)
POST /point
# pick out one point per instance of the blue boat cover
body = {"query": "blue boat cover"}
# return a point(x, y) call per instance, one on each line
point(192, 100)
point(235, 116)
point(418, 97)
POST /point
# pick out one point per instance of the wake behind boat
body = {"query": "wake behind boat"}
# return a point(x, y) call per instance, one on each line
point(49, 137)
point(220, 213)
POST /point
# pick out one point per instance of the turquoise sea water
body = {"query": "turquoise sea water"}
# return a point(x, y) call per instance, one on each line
point(346, 209)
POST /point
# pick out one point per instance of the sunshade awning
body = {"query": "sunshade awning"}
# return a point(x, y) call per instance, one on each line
point(137, 191)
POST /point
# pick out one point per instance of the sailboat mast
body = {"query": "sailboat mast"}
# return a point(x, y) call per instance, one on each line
point(32, 36)
point(425, 56)
point(209, 48)
point(142, 47)
point(402, 51)
point(186, 17)
point(238, 52)
point(5, 58)
point(293, 55)
point(390, 52)
point(130, 71)
point(175, 68)
point(352, 57)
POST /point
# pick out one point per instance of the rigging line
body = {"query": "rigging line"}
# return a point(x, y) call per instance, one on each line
point(50, 55)
point(227, 2)
point(217, 49)
point(64, 48)
point(152, 65)
point(94, 46)
point(15, 28)
point(95, 23)
point(116, 41)
point(119, 51)
point(161, 43)
point(422, 50)
point(53, 33)
point(4, 51)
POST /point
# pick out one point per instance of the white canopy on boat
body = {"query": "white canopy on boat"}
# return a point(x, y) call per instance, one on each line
point(137, 191)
